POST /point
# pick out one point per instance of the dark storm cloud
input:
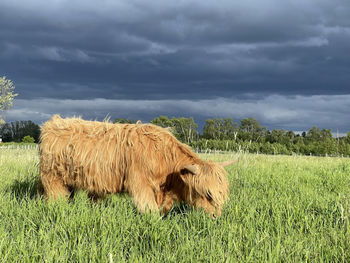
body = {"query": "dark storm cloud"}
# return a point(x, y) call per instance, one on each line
point(183, 50)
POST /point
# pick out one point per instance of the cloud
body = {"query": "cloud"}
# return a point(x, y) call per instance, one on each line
point(274, 111)
point(61, 55)
point(161, 54)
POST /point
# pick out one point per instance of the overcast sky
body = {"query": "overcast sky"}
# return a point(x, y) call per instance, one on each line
point(285, 63)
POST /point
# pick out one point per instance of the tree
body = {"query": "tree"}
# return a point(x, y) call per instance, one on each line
point(326, 134)
point(347, 138)
point(6, 96)
point(291, 135)
point(211, 129)
point(122, 120)
point(314, 134)
point(276, 136)
point(230, 129)
point(220, 129)
point(252, 130)
point(186, 129)
point(163, 121)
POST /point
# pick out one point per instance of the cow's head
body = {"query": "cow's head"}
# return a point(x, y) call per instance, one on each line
point(208, 187)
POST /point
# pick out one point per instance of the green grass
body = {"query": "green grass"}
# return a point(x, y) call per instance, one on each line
point(281, 209)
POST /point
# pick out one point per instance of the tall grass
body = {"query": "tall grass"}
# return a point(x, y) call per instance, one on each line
point(281, 209)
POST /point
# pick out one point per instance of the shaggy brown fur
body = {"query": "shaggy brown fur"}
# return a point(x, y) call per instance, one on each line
point(144, 160)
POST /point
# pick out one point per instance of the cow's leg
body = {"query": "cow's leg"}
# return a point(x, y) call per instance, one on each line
point(145, 200)
point(142, 192)
point(53, 186)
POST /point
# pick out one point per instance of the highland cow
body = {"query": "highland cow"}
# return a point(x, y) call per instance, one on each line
point(144, 160)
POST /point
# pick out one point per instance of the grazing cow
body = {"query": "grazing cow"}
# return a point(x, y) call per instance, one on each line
point(144, 160)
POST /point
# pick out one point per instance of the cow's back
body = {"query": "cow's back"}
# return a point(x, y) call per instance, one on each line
point(83, 153)
point(103, 157)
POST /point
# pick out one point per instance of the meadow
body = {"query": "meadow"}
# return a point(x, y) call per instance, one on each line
point(281, 209)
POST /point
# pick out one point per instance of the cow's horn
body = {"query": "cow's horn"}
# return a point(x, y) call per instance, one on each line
point(227, 163)
point(191, 168)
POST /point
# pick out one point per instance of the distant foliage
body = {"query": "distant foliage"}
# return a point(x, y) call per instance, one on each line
point(15, 131)
point(250, 136)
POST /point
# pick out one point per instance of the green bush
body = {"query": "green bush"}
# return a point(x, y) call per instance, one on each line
point(28, 139)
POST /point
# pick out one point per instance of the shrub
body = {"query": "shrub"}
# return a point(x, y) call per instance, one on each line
point(28, 139)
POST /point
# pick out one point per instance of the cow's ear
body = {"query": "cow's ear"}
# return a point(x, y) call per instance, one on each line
point(192, 168)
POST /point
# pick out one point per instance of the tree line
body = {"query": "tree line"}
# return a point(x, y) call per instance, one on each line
point(248, 135)
point(222, 134)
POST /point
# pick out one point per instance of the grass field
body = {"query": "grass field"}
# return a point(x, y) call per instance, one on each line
point(281, 209)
